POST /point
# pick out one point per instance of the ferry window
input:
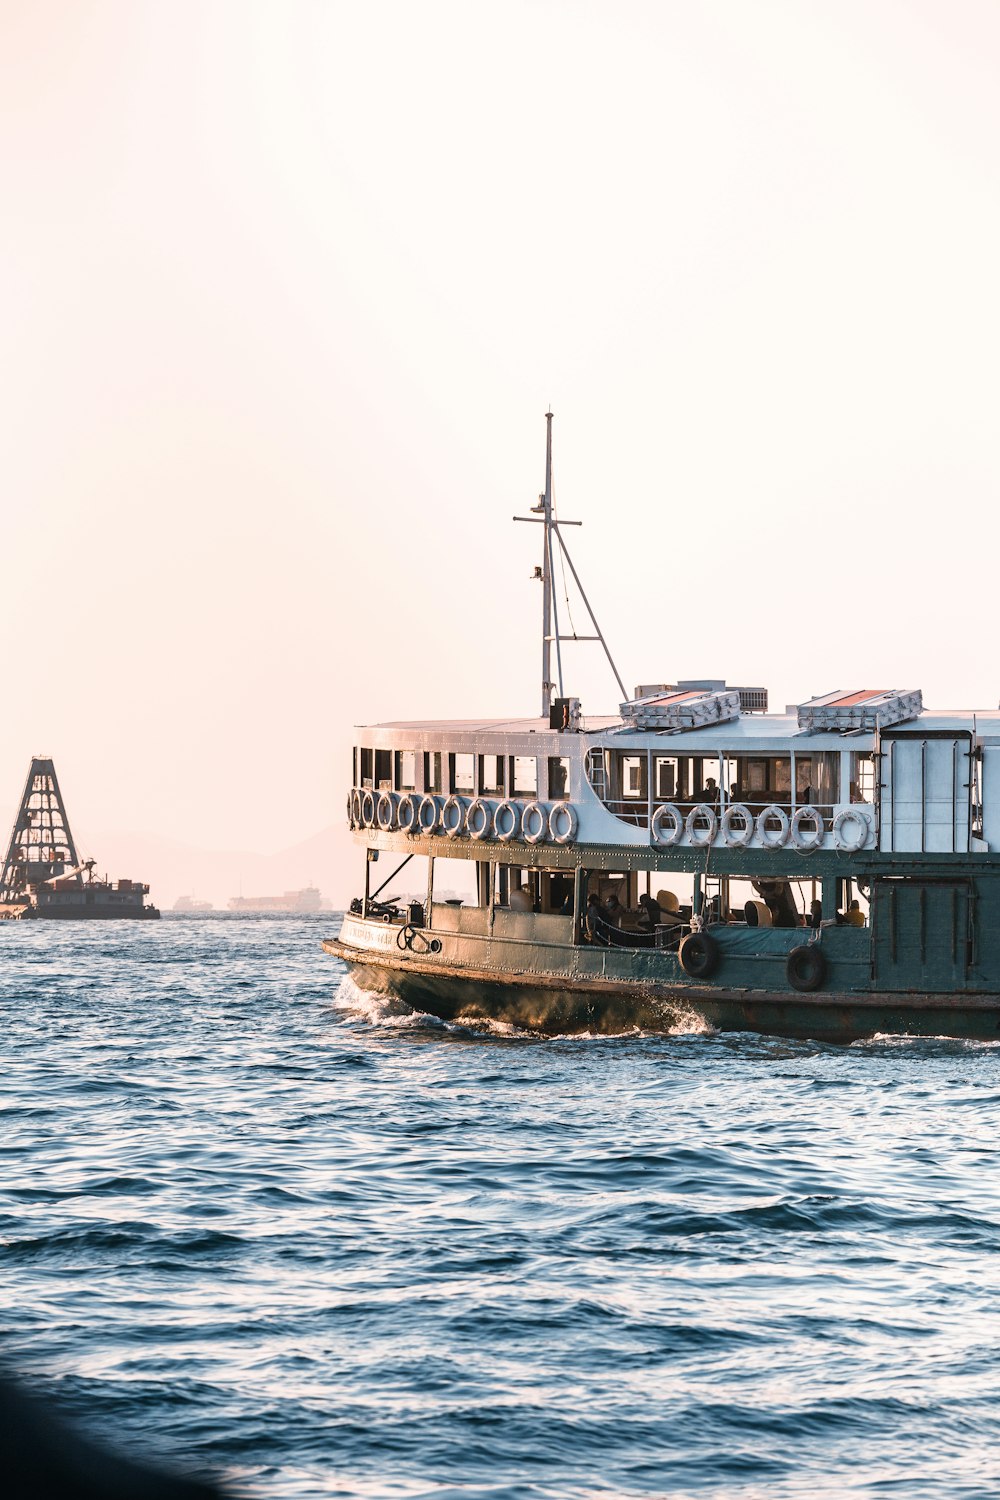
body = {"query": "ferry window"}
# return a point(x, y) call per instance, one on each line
point(367, 767)
point(523, 776)
point(558, 778)
point(665, 777)
point(455, 882)
point(633, 773)
point(862, 778)
point(463, 773)
point(354, 766)
point(491, 774)
point(817, 778)
point(383, 770)
point(432, 771)
point(406, 770)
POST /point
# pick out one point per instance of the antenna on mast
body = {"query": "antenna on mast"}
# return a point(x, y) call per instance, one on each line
point(542, 512)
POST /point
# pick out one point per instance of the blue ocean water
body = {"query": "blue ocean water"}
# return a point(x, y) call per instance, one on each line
point(255, 1221)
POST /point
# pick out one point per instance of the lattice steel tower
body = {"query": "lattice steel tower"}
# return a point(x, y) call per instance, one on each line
point(41, 844)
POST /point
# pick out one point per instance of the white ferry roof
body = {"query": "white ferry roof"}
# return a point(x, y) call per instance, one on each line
point(762, 730)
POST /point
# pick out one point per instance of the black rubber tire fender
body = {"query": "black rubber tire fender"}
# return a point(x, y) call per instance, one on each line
point(699, 955)
point(805, 967)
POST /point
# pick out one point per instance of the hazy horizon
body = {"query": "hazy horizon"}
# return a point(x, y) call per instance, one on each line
point(288, 290)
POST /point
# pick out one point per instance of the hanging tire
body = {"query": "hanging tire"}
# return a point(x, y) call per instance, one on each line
point(699, 955)
point(805, 967)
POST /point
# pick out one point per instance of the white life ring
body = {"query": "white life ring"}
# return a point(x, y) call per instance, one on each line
point(479, 819)
point(534, 823)
point(701, 837)
point(563, 823)
point(406, 814)
point(812, 839)
point(453, 816)
point(427, 814)
point(367, 807)
point(844, 819)
point(385, 812)
point(737, 838)
point(668, 825)
point(506, 820)
point(773, 838)
point(356, 807)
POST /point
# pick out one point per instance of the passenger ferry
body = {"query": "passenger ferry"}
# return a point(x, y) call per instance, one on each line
point(831, 871)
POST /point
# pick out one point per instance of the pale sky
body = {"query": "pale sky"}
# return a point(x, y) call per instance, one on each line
point(288, 287)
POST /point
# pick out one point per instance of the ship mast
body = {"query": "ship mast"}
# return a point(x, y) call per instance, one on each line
point(551, 634)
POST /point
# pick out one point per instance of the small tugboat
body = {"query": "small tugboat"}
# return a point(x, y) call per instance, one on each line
point(42, 874)
point(831, 872)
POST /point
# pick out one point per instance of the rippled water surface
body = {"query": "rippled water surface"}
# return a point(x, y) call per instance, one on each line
point(251, 1219)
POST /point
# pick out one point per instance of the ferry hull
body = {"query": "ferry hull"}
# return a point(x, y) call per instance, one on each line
point(555, 1005)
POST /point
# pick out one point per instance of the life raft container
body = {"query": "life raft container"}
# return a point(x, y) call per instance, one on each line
point(737, 838)
point(479, 819)
point(563, 823)
point(849, 818)
point(805, 967)
point(807, 840)
point(699, 955)
point(701, 834)
point(534, 823)
point(773, 838)
point(668, 825)
point(507, 820)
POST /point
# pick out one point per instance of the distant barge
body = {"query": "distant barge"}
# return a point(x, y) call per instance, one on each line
point(831, 872)
point(42, 874)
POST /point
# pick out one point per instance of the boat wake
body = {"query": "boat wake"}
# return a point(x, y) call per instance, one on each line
point(387, 1012)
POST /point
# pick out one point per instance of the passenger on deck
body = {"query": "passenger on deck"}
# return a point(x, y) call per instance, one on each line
point(854, 916)
point(595, 920)
point(650, 916)
point(815, 917)
point(613, 911)
point(520, 899)
point(709, 793)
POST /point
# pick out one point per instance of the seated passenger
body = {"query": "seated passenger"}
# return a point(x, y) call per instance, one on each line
point(709, 793)
point(854, 916)
point(613, 911)
point(520, 899)
point(815, 917)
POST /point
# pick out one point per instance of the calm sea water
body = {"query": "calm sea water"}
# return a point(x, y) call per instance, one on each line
point(251, 1219)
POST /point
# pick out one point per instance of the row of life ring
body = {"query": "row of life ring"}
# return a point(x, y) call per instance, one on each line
point(805, 829)
point(477, 818)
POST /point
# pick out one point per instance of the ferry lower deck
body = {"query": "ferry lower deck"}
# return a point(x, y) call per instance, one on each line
point(520, 947)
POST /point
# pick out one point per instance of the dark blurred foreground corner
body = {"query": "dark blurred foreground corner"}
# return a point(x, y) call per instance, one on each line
point(45, 1457)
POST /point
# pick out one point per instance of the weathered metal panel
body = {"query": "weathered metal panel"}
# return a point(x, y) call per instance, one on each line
point(923, 934)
